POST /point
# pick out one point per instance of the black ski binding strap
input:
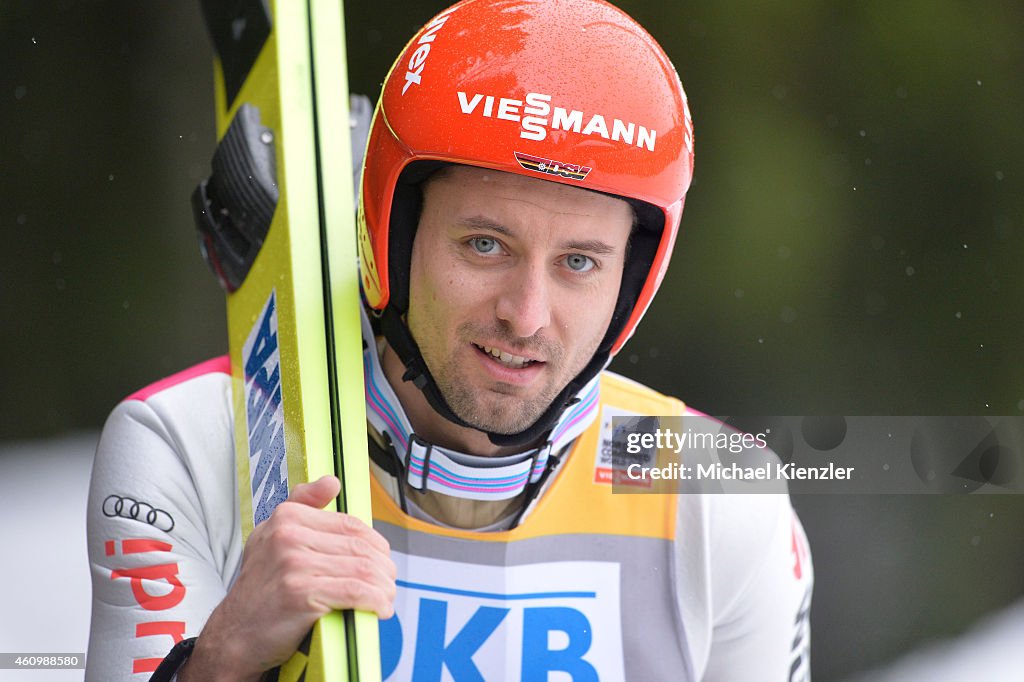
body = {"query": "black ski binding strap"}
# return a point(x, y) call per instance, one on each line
point(233, 208)
point(239, 29)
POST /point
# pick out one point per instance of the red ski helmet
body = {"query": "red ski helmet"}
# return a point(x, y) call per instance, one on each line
point(571, 91)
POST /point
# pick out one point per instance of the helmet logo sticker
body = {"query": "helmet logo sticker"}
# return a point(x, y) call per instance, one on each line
point(538, 115)
point(560, 168)
point(419, 56)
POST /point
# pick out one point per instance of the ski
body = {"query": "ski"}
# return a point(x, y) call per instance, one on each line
point(284, 249)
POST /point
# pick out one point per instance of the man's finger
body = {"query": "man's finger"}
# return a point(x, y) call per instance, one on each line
point(316, 493)
point(336, 534)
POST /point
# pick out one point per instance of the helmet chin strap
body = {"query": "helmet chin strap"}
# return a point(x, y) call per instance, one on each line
point(428, 466)
point(400, 338)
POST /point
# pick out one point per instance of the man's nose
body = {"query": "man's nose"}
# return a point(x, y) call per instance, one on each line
point(525, 302)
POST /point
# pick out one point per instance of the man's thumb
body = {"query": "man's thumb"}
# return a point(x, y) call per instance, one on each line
point(316, 493)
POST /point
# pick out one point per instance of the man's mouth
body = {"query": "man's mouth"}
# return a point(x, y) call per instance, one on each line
point(507, 359)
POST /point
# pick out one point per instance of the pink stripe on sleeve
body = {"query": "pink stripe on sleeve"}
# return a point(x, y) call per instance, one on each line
point(220, 364)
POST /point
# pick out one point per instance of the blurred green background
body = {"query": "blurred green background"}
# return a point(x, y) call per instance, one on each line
point(852, 244)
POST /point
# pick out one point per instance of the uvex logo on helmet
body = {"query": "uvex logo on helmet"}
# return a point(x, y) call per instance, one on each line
point(538, 115)
point(418, 59)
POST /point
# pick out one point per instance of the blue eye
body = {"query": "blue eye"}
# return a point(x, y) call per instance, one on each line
point(579, 263)
point(484, 245)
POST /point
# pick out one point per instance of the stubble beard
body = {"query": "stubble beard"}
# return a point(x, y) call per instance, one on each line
point(497, 412)
point(502, 408)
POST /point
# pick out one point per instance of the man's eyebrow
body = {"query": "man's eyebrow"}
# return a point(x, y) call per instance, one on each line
point(594, 246)
point(482, 223)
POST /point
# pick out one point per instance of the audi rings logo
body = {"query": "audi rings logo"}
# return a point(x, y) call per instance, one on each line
point(127, 508)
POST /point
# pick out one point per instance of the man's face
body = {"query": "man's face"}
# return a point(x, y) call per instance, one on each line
point(512, 288)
